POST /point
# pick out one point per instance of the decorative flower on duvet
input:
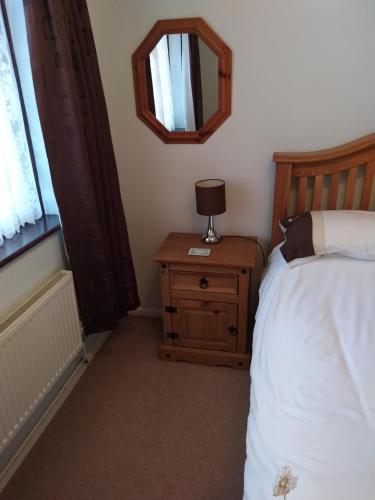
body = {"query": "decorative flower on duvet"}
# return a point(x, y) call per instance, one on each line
point(285, 482)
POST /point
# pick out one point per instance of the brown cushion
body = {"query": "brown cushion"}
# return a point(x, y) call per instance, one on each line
point(298, 232)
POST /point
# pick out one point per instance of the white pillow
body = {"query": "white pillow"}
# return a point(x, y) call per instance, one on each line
point(346, 232)
point(313, 234)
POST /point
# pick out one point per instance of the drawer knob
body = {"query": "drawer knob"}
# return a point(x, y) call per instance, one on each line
point(233, 330)
point(203, 283)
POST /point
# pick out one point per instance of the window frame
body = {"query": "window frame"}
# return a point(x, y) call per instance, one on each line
point(30, 234)
point(22, 101)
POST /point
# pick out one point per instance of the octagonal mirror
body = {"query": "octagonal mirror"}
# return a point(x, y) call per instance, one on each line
point(182, 77)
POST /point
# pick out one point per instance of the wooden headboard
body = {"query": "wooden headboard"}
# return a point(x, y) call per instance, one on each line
point(337, 178)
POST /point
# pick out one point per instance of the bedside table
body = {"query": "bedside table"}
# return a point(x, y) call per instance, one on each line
point(205, 300)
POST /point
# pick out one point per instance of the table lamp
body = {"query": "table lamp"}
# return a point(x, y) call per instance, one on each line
point(210, 199)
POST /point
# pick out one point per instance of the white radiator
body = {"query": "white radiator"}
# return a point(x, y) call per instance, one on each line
point(37, 342)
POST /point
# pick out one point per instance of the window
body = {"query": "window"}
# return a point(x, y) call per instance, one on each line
point(26, 193)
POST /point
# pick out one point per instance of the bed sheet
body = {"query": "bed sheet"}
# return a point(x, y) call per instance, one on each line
point(312, 402)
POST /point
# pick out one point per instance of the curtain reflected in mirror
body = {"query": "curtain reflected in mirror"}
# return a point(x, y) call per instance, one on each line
point(182, 82)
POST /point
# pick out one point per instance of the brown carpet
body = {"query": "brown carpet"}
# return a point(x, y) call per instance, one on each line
point(137, 428)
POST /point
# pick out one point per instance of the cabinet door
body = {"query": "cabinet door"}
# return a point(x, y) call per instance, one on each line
point(205, 325)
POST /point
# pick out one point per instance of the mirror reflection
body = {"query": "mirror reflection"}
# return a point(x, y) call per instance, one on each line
point(182, 82)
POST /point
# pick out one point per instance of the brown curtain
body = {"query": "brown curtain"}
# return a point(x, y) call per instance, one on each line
point(196, 79)
point(83, 168)
point(150, 88)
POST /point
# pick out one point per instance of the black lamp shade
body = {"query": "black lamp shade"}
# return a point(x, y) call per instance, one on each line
point(210, 196)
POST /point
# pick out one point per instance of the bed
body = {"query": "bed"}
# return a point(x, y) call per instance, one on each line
point(311, 427)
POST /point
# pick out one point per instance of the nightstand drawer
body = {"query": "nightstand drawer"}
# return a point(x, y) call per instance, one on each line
point(214, 283)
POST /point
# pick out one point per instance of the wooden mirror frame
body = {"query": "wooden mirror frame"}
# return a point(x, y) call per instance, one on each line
point(188, 25)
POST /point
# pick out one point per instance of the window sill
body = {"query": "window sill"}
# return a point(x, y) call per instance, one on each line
point(30, 235)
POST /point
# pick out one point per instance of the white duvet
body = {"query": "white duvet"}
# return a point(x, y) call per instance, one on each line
point(312, 404)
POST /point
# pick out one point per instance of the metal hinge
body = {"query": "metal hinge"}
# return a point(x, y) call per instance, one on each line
point(172, 335)
point(171, 309)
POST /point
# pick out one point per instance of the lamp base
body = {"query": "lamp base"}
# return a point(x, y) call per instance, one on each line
point(210, 236)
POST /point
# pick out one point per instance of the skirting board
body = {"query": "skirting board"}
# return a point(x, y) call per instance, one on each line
point(144, 311)
point(21, 453)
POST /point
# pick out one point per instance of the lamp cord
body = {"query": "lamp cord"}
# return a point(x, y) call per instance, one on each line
point(251, 238)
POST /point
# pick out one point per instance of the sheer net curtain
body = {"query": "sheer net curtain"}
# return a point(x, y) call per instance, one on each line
point(19, 201)
point(161, 80)
point(17, 24)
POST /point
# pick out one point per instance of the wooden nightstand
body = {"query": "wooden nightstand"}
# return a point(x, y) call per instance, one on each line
point(205, 300)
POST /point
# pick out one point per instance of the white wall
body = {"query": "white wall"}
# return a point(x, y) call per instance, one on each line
point(303, 78)
point(28, 272)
